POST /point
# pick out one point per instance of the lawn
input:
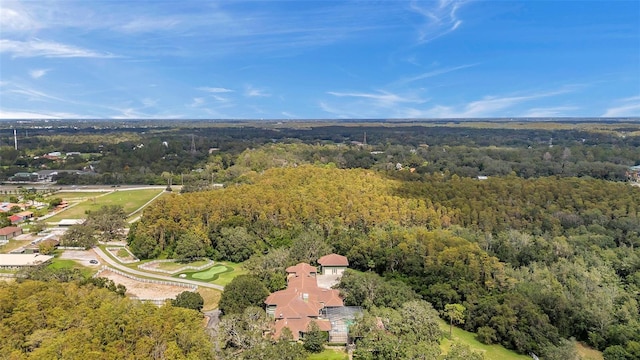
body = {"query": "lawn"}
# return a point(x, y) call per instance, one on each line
point(221, 273)
point(329, 354)
point(130, 200)
point(74, 196)
point(12, 245)
point(57, 263)
point(491, 352)
point(171, 266)
point(211, 298)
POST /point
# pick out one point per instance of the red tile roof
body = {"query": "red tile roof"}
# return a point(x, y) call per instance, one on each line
point(302, 268)
point(10, 230)
point(333, 260)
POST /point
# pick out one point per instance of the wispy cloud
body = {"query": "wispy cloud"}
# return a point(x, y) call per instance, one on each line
point(15, 19)
point(250, 91)
point(624, 107)
point(29, 114)
point(430, 74)
point(38, 73)
point(381, 98)
point(149, 24)
point(490, 105)
point(38, 48)
point(34, 95)
point(440, 18)
point(215, 90)
point(557, 111)
point(197, 102)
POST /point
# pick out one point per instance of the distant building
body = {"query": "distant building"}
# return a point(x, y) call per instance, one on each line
point(24, 176)
point(633, 173)
point(70, 222)
point(19, 261)
point(8, 233)
point(333, 264)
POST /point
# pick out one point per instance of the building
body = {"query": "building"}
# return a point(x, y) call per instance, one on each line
point(633, 173)
point(8, 233)
point(19, 261)
point(333, 264)
point(302, 302)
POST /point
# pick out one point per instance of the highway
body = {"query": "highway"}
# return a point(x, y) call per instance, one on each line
point(106, 258)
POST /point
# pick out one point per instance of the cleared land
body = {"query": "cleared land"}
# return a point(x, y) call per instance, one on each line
point(144, 290)
point(211, 298)
point(491, 352)
point(130, 200)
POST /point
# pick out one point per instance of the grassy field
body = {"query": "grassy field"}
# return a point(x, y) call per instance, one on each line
point(491, 352)
point(12, 245)
point(221, 273)
point(67, 196)
point(58, 263)
point(130, 200)
point(171, 266)
point(587, 353)
point(211, 298)
point(329, 354)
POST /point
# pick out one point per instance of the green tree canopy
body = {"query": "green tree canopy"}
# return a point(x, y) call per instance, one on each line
point(242, 292)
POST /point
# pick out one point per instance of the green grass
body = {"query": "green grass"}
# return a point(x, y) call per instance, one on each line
point(491, 352)
point(62, 264)
point(75, 195)
point(12, 245)
point(171, 266)
point(329, 354)
point(221, 273)
point(211, 273)
point(130, 200)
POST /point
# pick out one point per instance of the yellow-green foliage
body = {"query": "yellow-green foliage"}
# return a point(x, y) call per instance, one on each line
point(66, 321)
point(289, 197)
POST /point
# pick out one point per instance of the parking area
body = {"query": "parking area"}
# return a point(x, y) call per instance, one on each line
point(84, 257)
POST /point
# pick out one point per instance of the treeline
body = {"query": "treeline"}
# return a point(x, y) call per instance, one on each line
point(534, 261)
point(131, 154)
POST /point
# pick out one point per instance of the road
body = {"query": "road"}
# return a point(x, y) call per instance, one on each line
point(121, 267)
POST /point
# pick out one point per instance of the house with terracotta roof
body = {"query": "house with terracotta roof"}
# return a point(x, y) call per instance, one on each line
point(9, 232)
point(302, 302)
point(333, 264)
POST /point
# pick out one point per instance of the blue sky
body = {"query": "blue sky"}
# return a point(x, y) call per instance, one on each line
point(319, 59)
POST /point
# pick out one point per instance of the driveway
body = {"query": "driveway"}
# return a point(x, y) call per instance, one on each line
point(123, 268)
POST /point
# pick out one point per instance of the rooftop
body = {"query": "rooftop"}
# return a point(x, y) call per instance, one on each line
point(23, 259)
point(333, 260)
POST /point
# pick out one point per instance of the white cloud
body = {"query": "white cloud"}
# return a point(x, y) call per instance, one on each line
point(557, 111)
point(34, 95)
point(215, 89)
point(197, 102)
point(253, 92)
point(35, 48)
point(381, 98)
point(140, 25)
point(15, 19)
point(38, 73)
point(439, 18)
point(25, 114)
point(624, 107)
point(433, 73)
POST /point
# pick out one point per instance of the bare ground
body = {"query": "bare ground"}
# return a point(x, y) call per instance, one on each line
point(144, 290)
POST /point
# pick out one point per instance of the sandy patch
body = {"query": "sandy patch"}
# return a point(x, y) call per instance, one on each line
point(144, 290)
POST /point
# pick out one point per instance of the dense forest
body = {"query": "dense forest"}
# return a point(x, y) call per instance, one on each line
point(534, 261)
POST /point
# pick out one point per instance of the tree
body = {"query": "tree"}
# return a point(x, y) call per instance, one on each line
point(189, 246)
point(314, 338)
point(236, 244)
point(455, 313)
point(308, 247)
point(189, 300)
point(242, 292)
point(463, 352)
point(109, 220)
point(79, 235)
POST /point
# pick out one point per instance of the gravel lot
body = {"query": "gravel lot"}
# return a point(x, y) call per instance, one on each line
point(81, 256)
point(144, 290)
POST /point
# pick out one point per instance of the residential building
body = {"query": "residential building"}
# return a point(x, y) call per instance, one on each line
point(8, 233)
point(333, 264)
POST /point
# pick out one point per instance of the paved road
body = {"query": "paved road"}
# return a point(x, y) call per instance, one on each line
point(121, 267)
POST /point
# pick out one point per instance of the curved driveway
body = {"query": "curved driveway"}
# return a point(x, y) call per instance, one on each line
point(121, 267)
